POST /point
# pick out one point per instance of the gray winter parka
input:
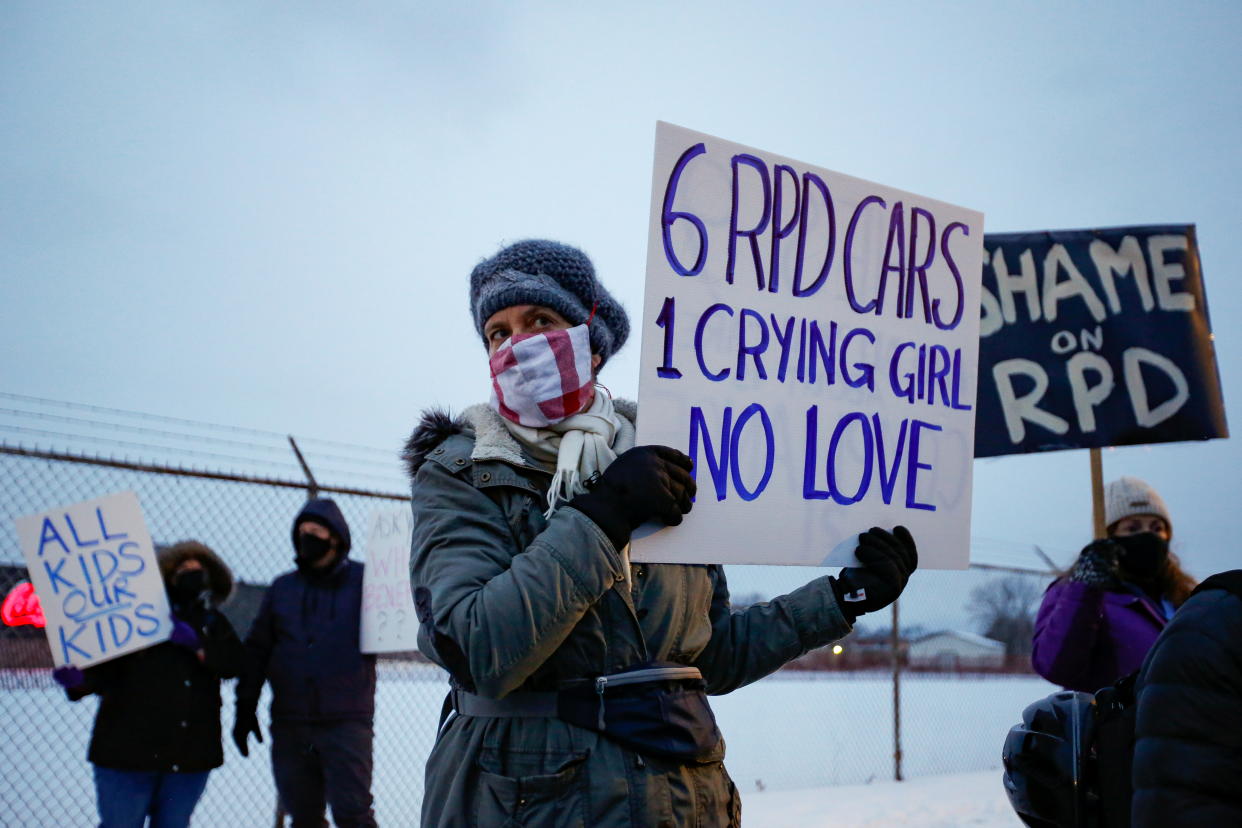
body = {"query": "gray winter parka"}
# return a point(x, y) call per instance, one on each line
point(511, 601)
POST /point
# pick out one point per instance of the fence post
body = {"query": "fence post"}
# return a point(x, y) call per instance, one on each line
point(312, 488)
point(895, 647)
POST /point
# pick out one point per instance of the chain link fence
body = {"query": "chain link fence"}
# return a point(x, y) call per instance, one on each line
point(875, 710)
point(46, 780)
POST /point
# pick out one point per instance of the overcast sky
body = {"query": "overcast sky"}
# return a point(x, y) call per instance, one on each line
point(264, 215)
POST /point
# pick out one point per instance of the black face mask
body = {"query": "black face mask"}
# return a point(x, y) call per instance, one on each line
point(188, 586)
point(311, 550)
point(1142, 555)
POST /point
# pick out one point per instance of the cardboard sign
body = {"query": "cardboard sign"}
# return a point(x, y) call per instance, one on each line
point(810, 340)
point(388, 620)
point(1095, 338)
point(93, 567)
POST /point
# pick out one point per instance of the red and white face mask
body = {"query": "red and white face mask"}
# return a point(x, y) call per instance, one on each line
point(543, 378)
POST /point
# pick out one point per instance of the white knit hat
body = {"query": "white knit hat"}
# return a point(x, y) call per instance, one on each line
point(1128, 496)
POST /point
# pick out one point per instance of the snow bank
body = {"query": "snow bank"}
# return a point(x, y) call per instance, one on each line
point(974, 800)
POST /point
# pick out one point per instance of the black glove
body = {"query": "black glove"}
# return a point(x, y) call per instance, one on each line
point(246, 722)
point(69, 677)
point(1097, 565)
point(184, 635)
point(644, 483)
point(887, 560)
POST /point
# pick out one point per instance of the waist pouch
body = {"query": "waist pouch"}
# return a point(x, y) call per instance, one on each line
point(657, 709)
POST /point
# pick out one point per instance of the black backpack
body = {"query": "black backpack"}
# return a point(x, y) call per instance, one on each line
point(1067, 764)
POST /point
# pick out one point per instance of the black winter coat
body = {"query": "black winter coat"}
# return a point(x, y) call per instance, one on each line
point(159, 708)
point(1188, 734)
point(305, 641)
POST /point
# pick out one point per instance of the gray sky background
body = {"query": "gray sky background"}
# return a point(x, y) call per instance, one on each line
point(264, 215)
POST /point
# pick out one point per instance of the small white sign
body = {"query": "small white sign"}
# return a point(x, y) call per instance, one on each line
point(810, 339)
point(389, 623)
point(93, 567)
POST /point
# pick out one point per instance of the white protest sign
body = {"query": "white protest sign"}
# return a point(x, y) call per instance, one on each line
point(388, 620)
point(93, 567)
point(810, 339)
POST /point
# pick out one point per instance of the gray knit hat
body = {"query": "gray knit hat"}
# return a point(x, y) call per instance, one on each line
point(555, 275)
point(1127, 496)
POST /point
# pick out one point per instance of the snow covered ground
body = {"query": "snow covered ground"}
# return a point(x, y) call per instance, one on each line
point(804, 750)
point(963, 800)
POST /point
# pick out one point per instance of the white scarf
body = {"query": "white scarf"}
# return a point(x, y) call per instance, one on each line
point(580, 446)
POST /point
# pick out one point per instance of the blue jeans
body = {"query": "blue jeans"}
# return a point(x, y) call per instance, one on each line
point(127, 798)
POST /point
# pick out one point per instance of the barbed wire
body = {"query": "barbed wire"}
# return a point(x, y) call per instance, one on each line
point(196, 423)
point(289, 466)
point(132, 429)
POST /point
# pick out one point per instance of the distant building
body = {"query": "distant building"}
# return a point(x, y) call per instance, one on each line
point(858, 650)
point(956, 650)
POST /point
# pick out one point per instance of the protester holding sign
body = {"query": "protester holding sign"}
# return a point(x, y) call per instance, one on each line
point(1098, 621)
point(157, 732)
point(577, 679)
point(306, 642)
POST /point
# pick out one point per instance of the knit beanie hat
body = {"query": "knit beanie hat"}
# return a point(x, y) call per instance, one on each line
point(1128, 496)
point(556, 276)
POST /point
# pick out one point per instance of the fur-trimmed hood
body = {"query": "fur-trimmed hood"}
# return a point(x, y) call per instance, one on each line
point(492, 440)
point(219, 576)
point(436, 426)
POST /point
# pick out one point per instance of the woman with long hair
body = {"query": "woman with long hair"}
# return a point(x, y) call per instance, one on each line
point(1099, 619)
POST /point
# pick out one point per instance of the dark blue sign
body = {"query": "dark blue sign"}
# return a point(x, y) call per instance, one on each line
point(1094, 338)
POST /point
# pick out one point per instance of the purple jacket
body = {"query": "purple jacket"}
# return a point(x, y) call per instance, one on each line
point(1087, 638)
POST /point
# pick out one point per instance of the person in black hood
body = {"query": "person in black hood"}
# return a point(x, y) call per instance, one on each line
point(1188, 726)
point(157, 732)
point(306, 642)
